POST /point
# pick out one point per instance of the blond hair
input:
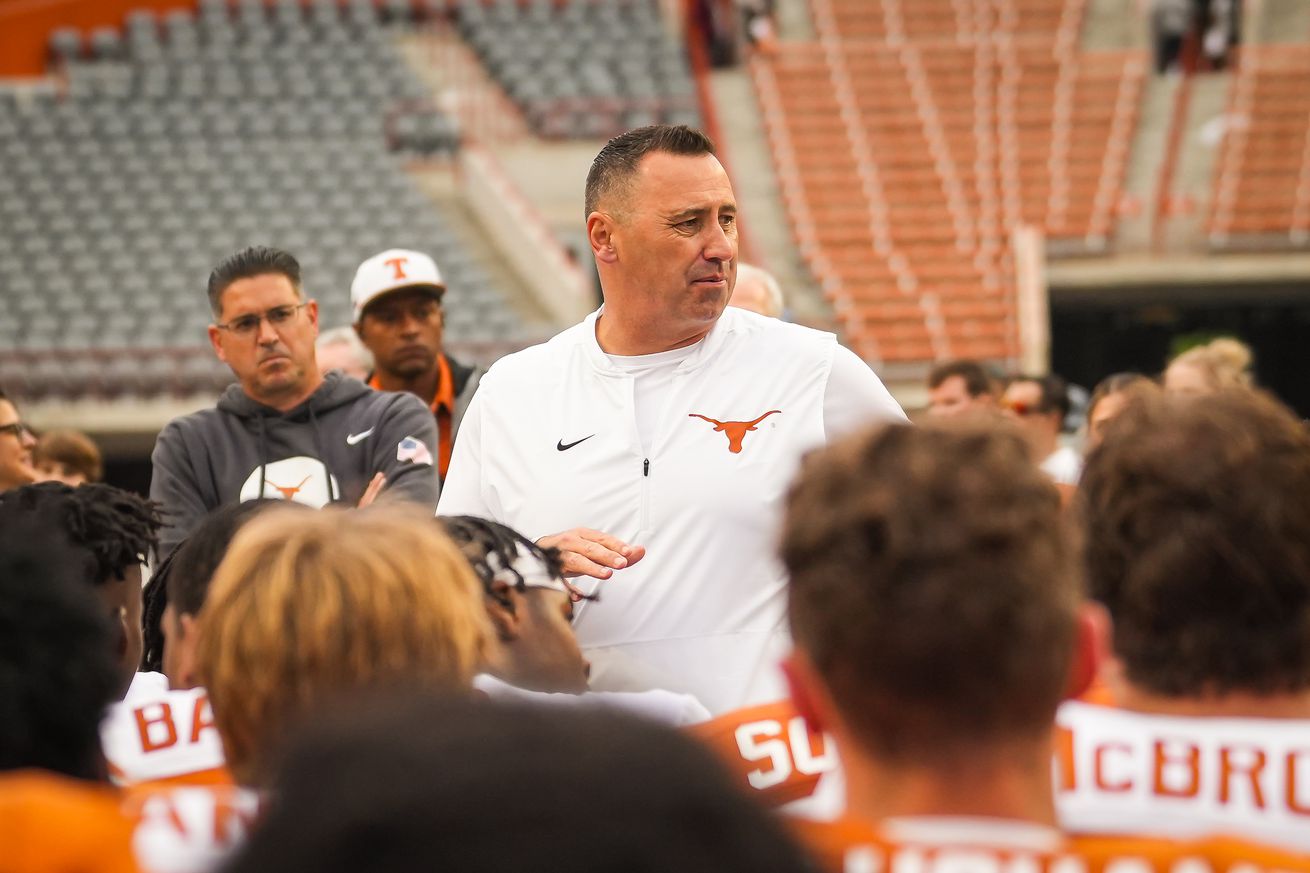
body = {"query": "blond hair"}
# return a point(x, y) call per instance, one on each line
point(1226, 362)
point(310, 605)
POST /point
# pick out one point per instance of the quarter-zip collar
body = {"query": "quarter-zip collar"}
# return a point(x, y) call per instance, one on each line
point(704, 350)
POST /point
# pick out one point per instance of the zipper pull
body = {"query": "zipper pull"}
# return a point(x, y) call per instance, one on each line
point(645, 467)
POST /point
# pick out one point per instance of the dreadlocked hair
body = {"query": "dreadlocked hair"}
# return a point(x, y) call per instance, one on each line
point(480, 538)
point(117, 527)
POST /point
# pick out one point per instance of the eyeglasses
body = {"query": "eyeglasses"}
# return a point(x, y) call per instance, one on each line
point(18, 429)
point(248, 325)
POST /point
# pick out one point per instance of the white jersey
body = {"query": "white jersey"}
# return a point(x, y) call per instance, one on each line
point(665, 707)
point(168, 736)
point(191, 829)
point(1121, 772)
point(551, 442)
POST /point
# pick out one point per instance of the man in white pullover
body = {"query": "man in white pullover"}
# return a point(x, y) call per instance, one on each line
point(663, 430)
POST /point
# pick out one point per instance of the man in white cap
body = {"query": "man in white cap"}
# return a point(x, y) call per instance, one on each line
point(397, 301)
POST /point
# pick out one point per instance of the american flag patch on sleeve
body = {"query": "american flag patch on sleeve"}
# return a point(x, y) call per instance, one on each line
point(415, 450)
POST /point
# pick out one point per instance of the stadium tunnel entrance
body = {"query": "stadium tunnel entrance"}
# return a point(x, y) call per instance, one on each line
point(1096, 332)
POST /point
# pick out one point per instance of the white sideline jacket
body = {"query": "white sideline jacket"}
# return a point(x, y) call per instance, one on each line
point(550, 443)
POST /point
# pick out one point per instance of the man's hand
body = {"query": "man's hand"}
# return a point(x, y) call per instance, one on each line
point(587, 552)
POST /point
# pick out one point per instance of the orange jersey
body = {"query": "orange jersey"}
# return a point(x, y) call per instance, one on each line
point(770, 750)
point(1127, 772)
point(52, 824)
point(978, 845)
point(167, 737)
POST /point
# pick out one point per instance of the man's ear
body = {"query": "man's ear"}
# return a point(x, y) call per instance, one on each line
point(600, 234)
point(505, 618)
point(186, 650)
point(1091, 648)
point(807, 691)
point(214, 340)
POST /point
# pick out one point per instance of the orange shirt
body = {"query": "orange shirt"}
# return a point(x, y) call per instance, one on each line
point(53, 824)
point(443, 408)
point(770, 750)
point(979, 845)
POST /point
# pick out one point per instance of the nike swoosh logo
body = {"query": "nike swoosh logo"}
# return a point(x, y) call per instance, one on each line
point(353, 438)
point(564, 447)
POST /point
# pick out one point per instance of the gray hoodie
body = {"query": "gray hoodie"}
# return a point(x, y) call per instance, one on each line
point(325, 450)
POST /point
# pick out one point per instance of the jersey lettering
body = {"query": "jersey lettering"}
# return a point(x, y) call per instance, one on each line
point(154, 722)
point(787, 751)
point(1117, 771)
point(202, 718)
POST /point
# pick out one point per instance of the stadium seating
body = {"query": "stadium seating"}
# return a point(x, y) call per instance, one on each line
point(1261, 194)
point(912, 138)
point(181, 138)
point(586, 68)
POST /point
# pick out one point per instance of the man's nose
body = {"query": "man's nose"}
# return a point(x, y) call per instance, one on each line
point(27, 439)
point(720, 246)
point(266, 335)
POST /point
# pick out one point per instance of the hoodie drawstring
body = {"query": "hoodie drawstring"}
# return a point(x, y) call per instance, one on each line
point(318, 450)
point(263, 455)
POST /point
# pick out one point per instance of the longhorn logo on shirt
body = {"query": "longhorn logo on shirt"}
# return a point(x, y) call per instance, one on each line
point(301, 478)
point(735, 430)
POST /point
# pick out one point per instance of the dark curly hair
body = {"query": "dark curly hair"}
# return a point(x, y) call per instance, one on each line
point(118, 528)
point(1197, 513)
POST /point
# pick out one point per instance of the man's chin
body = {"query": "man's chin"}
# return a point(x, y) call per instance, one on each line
point(413, 367)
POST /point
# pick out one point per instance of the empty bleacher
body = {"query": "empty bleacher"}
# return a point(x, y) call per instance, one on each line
point(913, 138)
point(583, 68)
point(177, 140)
point(1261, 193)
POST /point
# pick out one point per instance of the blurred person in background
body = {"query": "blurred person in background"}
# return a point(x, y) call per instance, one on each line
point(1040, 405)
point(757, 291)
point(284, 431)
point(665, 420)
point(327, 604)
point(1111, 395)
point(341, 349)
point(1197, 516)
point(68, 456)
point(397, 297)
point(415, 782)
point(1220, 363)
point(16, 443)
point(960, 387)
point(113, 532)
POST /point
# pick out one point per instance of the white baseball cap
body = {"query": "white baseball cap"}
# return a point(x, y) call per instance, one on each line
point(390, 271)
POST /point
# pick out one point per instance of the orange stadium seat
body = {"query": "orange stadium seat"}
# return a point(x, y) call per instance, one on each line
point(902, 176)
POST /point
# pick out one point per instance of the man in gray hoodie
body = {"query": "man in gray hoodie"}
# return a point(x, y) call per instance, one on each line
point(284, 431)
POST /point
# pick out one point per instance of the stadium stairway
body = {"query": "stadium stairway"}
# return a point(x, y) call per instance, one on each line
point(755, 182)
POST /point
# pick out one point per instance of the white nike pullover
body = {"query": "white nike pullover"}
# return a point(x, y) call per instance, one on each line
point(550, 442)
